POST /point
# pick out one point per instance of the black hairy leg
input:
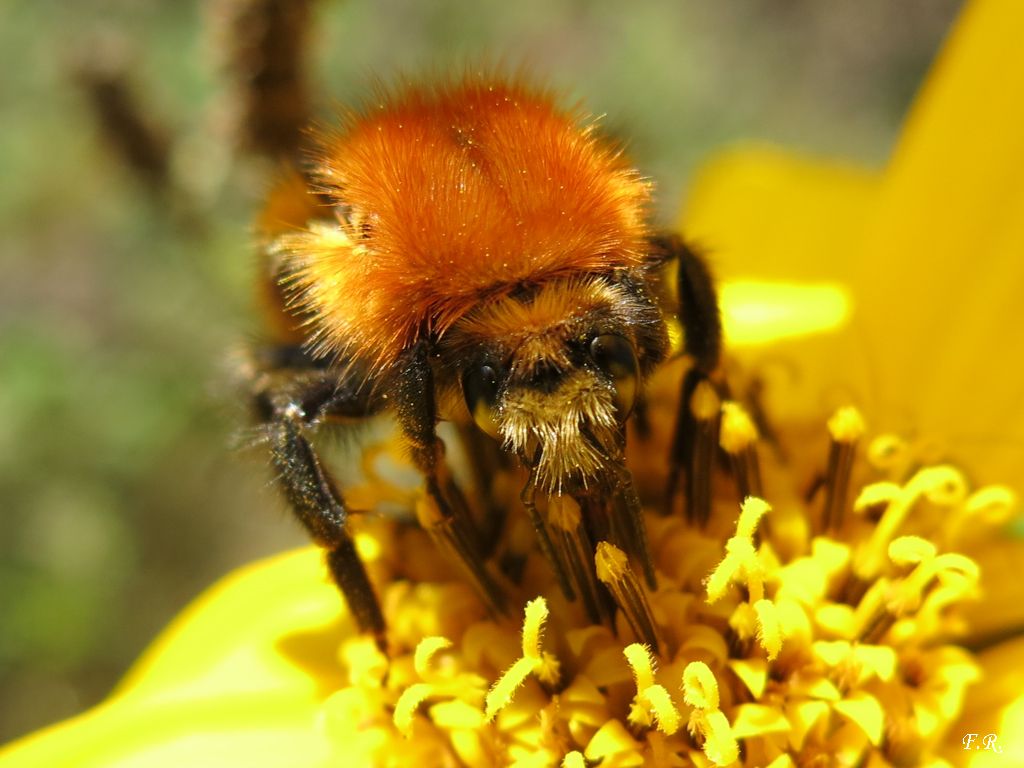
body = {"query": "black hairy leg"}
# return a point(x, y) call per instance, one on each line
point(293, 396)
point(291, 401)
point(695, 438)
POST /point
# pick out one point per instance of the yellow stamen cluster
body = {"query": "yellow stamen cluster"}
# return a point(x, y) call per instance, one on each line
point(743, 564)
point(776, 641)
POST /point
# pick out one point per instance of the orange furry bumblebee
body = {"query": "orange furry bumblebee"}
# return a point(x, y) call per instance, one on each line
point(470, 251)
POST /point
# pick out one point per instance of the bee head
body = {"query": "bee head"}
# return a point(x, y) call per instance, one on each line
point(553, 373)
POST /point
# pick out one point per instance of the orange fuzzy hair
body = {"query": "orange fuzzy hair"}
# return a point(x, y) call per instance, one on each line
point(450, 195)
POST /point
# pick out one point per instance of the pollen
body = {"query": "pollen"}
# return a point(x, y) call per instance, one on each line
point(772, 639)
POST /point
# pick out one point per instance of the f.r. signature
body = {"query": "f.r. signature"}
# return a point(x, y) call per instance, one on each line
point(986, 742)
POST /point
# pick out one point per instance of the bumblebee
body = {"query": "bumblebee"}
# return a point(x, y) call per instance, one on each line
point(470, 251)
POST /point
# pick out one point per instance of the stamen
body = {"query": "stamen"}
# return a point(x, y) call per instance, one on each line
point(652, 701)
point(993, 502)
point(886, 601)
point(547, 547)
point(751, 512)
point(866, 617)
point(574, 549)
point(769, 628)
point(943, 485)
point(876, 495)
point(913, 550)
point(628, 508)
point(739, 439)
point(708, 722)
point(845, 428)
point(408, 703)
point(615, 573)
point(700, 688)
point(427, 649)
point(871, 619)
point(705, 406)
point(987, 507)
point(451, 536)
point(889, 453)
point(741, 563)
point(534, 661)
point(417, 693)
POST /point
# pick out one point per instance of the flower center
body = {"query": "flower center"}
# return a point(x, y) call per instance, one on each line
point(811, 628)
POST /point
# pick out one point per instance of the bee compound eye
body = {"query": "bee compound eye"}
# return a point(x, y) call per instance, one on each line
point(480, 386)
point(615, 356)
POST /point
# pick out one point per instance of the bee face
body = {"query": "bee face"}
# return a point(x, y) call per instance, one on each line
point(554, 372)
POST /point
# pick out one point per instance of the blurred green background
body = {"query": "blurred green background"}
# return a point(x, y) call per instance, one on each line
point(122, 293)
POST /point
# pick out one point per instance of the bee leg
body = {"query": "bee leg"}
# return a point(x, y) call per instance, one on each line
point(446, 514)
point(694, 440)
point(290, 403)
point(319, 506)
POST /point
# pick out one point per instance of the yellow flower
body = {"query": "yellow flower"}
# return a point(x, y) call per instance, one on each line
point(823, 615)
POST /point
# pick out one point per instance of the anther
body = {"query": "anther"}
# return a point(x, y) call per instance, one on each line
point(888, 453)
point(928, 565)
point(547, 546)
point(738, 439)
point(944, 485)
point(846, 427)
point(535, 661)
point(886, 601)
point(707, 722)
point(614, 571)
point(984, 509)
point(450, 535)
point(741, 563)
point(628, 527)
point(652, 702)
point(432, 685)
point(575, 551)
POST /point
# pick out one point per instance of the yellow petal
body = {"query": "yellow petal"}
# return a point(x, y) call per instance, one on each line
point(996, 705)
point(278, 622)
point(804, 716)
point(611, 740)
point(239, 676)
point(759, 312)
point(930, 253)
point(866, 712)
point(758, 720)
point(1000, 612)
point(753, 673)
point(766, 216)
point(261, 730)
point(456, 714)
point(762, 213)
